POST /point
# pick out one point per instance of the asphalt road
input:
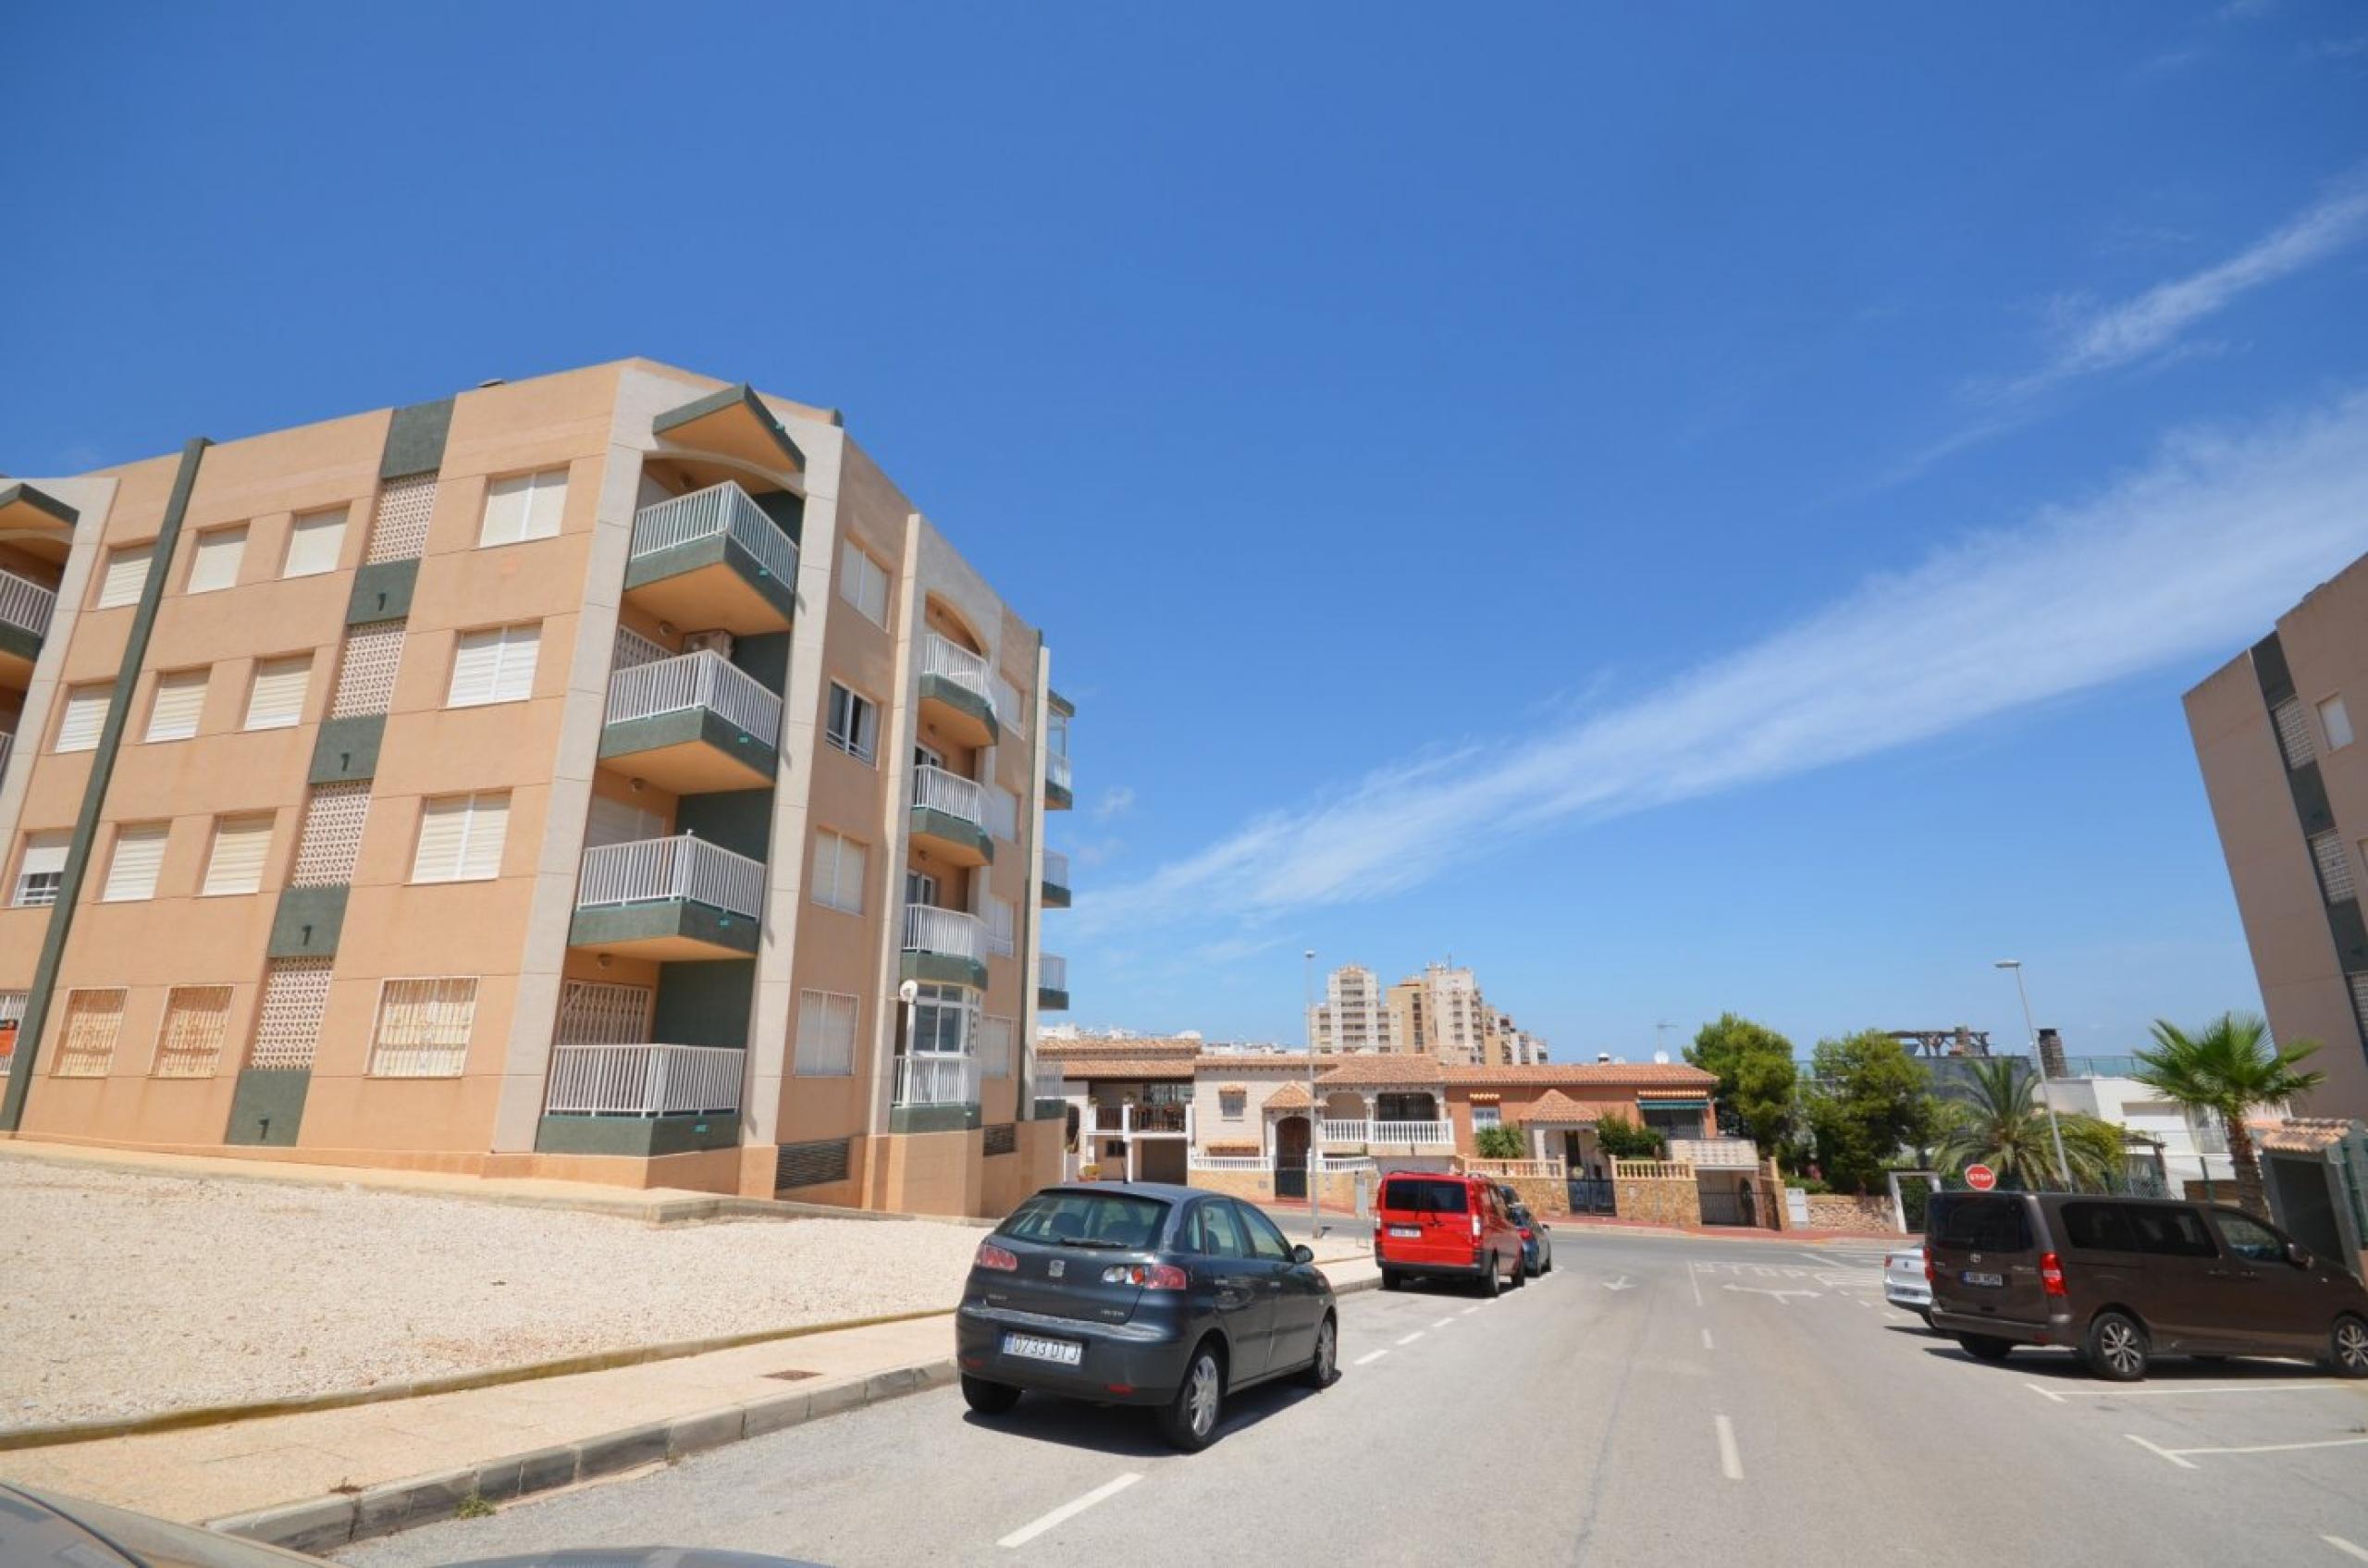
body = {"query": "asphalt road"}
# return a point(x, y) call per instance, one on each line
point(1652, 1402)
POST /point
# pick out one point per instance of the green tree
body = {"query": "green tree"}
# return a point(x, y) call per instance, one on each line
point(2230, 1068)
point(1994, 1116)
point(1626, 1140)
point(1757, 1075)
point(1499, 1143)
point(1867, 1100)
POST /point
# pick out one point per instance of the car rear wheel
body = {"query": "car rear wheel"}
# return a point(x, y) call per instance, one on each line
point(1493, 1281)
point(1521, 1271)
point(2347, 1347)
point(2116, 1347)
point(1190, 1420)
point(1392, 1280)
point(1985, 1347)
point(1325, 1364)
point(988, 1399)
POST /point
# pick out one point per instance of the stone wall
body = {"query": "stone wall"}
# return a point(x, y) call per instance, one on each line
point(1658, 1200)
point(1542, 1194)
point(1867, 1215)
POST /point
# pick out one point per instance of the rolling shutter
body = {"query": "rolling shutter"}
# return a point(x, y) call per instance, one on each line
point(524, 506)
point(216, 561)
point(315, 544)
point(127, 574)
point(139, 855)
point(461, 838)
point(810, 1165)
point(494, 665)
point(179, 700)
point(86, 710)
point(240, 846)
point(619, 821)
point(277, 700)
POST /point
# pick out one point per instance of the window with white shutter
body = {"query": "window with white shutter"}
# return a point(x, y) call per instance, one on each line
point(999, 915)
point(460, 838)
point(316, 544)
point(863, 583)
point(996, 1037)
point(2335, 720)
point(241, 846)
point(423, 1029)
point(216, 561)
point(275, 700)
point(495, 665)
point(330, 841)
point(611, 820)
point(40, 870)
point(139, 855)
point(524, 506)
point(287, 1015)
point(125, 575)
point(86, 712)
point(86, 1039)
point(839, 868)
point(365, 672)
point(179, 701)
point(826, 1021)
point(1003, 813)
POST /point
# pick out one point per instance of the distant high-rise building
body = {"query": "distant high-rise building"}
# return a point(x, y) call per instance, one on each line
point(1352, 1018)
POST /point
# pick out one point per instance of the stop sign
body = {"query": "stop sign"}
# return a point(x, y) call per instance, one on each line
point(1980, 1177)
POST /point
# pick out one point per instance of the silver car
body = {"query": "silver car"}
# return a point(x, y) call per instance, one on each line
point(1904, 1285)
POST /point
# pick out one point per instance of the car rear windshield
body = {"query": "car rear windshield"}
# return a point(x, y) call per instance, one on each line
point(1980, 1224)
point(1087, 1219)
point(1410, 1196)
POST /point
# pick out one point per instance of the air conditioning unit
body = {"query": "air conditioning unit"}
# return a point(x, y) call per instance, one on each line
point(708, 642)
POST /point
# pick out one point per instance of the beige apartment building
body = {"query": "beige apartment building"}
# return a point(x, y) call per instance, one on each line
point(2274, 731)
point(1354, 1015)
point(563, 778)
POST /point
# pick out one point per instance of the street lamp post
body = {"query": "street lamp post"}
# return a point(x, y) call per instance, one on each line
point(2055, 1129)
point(1308, 1013)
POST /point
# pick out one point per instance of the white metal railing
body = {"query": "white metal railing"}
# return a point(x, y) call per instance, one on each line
point(934, 789)
point(644, 1081)
point(950, 931)
point(1052, 972)
point(718, 508)
point(1229, 1162)
point(704, 679)
point(26, 604)
point(943, 657)
point(1725, 1153)
point(1057, 768)
point(654, 870)
point(1057, 869)
point(1051, 1084)
point(937, 1078)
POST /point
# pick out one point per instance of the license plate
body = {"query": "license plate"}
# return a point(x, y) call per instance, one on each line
point(1030, 1348)
point(1410, 1232)
point(1992, 1280)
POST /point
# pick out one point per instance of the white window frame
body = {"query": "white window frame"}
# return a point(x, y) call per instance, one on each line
point(834, 887)
point(862, 748)
point(201, 678)
point(2335, 722)
point(939, 1001)
point(1487, 1117)
point(431, 1056)
point(52, 844)
point(860, 573)
point(238, 823)
point(199, 559)
point(512, 670)
point(76, 700)
point(274, 669)
point(540, 514)
point(821, 1014)
point(141, 835)
point(475, 811)
point(302, 557)
point(196, 1050)
point(118, 585)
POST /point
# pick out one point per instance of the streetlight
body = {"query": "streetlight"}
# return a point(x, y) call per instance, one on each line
point(2055, 1129)
point(1309, 1013)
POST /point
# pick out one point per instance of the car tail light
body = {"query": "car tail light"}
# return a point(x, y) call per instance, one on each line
point(1928, 1268)
point(991, 1257)
point(1476, 1226)
point(1145, 1276)
point(2051, 1273)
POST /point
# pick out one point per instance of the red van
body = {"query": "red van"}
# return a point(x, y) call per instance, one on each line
point(1439, 1224)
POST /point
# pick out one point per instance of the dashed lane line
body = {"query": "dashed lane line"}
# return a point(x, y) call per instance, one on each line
point(1444, 1323)
point(1069, 1510)
point(1693, 1277)
point(2347, 1548)
point(1370, 1357)
point(1706, 1340)
point(1467, 1311)
point(1412, 1338)
point(1730, 1458)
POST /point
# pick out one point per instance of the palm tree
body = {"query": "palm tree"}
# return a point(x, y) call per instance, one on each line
point(1993, 1116)
point(2230, 1069)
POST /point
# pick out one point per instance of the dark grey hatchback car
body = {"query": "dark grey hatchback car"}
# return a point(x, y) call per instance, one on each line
point(1140, 1293)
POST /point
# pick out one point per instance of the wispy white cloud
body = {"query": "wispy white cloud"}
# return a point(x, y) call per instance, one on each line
point(2192, 554)
point(1116, 801)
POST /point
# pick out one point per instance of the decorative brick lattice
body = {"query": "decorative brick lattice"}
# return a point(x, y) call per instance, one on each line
point(400, 530)
point(288, 1022)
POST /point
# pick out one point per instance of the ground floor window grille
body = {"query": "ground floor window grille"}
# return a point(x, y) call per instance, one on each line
point(86, 1040)
point(190, 1043)
point(423, 1026)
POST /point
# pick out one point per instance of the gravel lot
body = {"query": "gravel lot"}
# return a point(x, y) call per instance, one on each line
point(122, 1294)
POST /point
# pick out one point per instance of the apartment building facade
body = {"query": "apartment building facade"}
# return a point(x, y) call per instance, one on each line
point(2275, 732)
point(1355, 1014)
point(609, 776)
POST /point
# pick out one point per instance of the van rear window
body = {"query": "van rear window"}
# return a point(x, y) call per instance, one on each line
point(1970, 1221)
point(1414, 1195)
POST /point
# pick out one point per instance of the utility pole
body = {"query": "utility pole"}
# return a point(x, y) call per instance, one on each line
point(1313, 1122)
point(2056, 1130)
point(1661, 1033)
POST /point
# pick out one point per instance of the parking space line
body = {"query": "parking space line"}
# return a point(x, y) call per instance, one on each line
point(2280, 1447)
point(1069, 1510)
point(1706, 1340)
point(1370, 1357)
point(2282, 1387)
point(1412, 1338)
point(2046, 1393)
point(2346, 1548)
point(2160, 1452)
point(1729, 1460)
point(1693, 1277)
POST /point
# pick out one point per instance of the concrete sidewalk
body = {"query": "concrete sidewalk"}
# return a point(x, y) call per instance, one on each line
point(318, 1479)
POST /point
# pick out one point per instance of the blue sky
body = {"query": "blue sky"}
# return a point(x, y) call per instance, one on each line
point(1682, 508)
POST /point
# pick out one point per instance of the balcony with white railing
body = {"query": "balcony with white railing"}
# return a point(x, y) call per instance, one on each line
point(1051, 1084)
point(691, 723)
point(644, 1081)
point(1051, 982)
point(950, 812)
point(1394, 1134)
point(958, 686)
point(25, 610)
point(680, 897)
point(1056, 880)
point(937, 1078)
point(948, 933)
point(714, 557)
point(1143, 1121)
point(1059, 793)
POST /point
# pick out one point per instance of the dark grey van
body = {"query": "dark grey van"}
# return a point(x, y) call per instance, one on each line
point(2124, 1280)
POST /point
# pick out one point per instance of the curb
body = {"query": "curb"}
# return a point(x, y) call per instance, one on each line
point(324, 1524)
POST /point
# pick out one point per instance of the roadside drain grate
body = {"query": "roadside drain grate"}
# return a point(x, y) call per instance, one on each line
point(792, 1376)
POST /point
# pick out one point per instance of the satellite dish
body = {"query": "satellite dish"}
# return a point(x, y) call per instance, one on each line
point(1660, 1058)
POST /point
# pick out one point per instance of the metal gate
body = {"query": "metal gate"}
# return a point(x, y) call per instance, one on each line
point(1291, 1180)
point(1725, 1205)
point(1590, 1194)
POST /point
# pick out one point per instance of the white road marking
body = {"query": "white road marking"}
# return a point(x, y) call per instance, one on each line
point(1370, 1357)
point(2046, 1393)
point(1693, 1277)
point(1829, 1263)
point(2297, 1388)
point(1622, 1283)
point(2159, 1451)
point(1760, 1290)
point(1729, 1460)
point(1858, 1304)
point(2280, 1447)
point(1444, 1323)
point(1070, 1509)
point(2346, 1548)
point(1412, 1338)
point(1706, 1340)
point(1467, 1311)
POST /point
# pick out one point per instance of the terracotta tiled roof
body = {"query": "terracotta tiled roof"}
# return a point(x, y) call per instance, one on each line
point(1095, 1069)
point(1071, 1050)
point(1555, 1106)
point(2305, 1135)
point(1292, 1097)
point(1585, 1074)
point(1359, 1071)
